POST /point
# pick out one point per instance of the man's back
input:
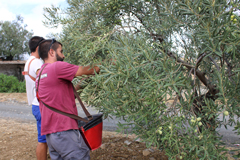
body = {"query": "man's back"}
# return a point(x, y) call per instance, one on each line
point(30, 84)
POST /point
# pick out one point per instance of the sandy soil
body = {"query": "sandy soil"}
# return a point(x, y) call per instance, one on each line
point(18, 140)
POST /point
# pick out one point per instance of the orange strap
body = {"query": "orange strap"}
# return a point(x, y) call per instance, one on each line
point(27, 72)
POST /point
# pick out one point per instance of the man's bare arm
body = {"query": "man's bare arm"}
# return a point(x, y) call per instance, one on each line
point(87, 70)
point(37, 71)
point(77, 87)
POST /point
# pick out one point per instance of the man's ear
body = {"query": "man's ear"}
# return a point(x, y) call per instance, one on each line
point(51, 53)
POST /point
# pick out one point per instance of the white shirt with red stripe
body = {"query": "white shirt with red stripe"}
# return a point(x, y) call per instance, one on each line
point(30, 84)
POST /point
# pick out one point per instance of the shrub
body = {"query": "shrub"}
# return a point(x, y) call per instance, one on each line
point(10, 84)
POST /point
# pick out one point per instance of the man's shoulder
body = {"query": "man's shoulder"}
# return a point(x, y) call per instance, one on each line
point(29, 59)
point(32, 58)
point(61, 63)
point(37, 62)
point(33, 64)
point(65, 69)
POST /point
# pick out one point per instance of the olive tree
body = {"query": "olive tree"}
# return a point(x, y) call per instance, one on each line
point(170, 69)
point(14, 38)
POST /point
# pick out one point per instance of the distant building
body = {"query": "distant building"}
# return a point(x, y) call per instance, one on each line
point(14, 68)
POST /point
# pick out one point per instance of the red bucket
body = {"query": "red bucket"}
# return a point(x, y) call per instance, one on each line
point(92, 131)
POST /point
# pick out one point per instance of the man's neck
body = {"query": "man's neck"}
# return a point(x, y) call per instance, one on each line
point(35, 54)
point(49, 61)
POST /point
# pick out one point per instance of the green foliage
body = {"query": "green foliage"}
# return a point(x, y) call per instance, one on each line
point(237, 129)
point(170, 69)
point(14, 38)
point(10, 84)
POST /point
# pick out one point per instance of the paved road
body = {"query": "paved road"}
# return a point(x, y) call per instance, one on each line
point(22, 112)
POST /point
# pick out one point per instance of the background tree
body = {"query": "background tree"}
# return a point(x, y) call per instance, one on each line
point(175, 71)
point(14, 38)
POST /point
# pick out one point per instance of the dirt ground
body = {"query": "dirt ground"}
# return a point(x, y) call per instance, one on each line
point(18, 140)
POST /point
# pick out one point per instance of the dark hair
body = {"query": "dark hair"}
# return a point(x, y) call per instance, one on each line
point(34, 42)
point(44, 47)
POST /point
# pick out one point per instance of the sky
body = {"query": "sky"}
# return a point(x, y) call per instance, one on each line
point(32, 13)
